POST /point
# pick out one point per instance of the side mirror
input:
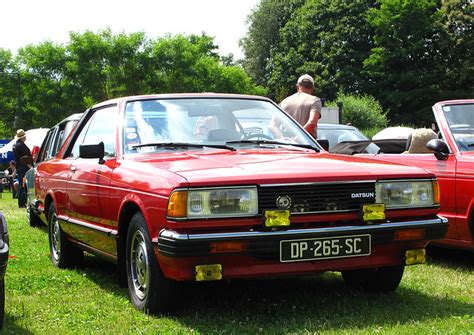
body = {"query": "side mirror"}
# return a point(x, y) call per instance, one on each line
point(92, 151)
point(440, 148)
point(324, 144)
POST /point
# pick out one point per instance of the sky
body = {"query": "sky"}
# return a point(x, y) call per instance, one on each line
point(26, 22)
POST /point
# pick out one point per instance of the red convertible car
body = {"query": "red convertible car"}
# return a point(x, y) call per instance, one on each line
point(179, 188)
point(452, 163)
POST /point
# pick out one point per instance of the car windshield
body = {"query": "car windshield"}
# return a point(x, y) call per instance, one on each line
point(460, 119)
point(208, 122)
point(335, 136)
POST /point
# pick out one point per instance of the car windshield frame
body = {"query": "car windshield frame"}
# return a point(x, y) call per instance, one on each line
point(460, 121)
point(208, 123)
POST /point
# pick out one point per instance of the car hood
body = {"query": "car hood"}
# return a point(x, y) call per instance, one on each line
point(273, 166)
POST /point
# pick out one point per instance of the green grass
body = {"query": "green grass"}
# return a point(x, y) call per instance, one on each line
point(435, 298)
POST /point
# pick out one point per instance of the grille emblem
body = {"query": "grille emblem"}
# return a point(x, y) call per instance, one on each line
point(283, 202)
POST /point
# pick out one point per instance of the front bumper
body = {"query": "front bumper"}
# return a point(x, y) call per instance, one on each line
point(180, 253)
point(265, 244)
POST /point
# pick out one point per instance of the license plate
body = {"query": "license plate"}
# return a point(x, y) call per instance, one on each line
point(324, 248)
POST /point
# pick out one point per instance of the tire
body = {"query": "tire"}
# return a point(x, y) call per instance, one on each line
point(63, 253)
point(33, 219)
point(383, 279)
point(148, 288)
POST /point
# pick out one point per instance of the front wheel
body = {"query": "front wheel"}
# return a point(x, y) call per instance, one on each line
point(63, 253)
point(383, 279)
point(149, 290)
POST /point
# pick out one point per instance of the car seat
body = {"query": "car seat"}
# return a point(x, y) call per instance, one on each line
point(416, 141)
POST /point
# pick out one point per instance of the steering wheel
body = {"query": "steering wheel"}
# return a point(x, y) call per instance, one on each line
point(258, 136)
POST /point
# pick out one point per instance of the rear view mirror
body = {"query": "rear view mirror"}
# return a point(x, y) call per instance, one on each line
point(440, 148)
point(92, 151)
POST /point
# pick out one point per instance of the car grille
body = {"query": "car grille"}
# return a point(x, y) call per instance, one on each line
point(316, 198)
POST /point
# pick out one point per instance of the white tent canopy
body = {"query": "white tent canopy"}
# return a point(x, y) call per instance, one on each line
point(34, 137)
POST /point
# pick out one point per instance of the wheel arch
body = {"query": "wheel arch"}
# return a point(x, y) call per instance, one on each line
point(127, 211)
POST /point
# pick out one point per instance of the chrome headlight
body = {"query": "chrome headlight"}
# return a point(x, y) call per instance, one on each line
point(214, 202)
point(407, 193)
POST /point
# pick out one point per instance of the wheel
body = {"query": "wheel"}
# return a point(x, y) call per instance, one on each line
point(62, 252)
point(149, 290)
point(2, 302)
point(383, 279)
point(258, 136)
point(33, 219)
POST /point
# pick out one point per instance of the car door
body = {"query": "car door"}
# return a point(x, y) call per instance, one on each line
point(88, 185)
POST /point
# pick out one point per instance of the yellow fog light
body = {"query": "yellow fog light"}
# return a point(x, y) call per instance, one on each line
point(277, 218)
point(415, 256)
point(208, 272)
point(373, 212)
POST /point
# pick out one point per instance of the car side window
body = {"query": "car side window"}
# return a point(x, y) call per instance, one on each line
point(44, 155)
point(101, 127)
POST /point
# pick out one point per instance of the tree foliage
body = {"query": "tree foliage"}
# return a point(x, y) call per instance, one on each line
point(58, 80)
point(362, 111)
point(265, 23)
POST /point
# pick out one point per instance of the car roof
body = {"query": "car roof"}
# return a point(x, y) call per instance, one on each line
point(181, 96)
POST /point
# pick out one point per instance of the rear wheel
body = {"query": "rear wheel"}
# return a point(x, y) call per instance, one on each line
point(383, 279)
point(149, 290)
point(62, 252)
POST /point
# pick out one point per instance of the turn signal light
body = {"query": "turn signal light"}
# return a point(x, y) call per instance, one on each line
point(177, 204)
point(410, 234)
point(208, 272)
point(415, 256)
point(436, 193)
point(221, 247)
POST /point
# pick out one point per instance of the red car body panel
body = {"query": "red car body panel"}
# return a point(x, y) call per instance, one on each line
point(91, 199)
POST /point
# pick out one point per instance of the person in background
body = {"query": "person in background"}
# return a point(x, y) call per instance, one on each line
point(22, 155)
point(303, 106)
point(12, 178)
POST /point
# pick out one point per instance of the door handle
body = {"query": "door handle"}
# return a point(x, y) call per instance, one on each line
point(73, 168)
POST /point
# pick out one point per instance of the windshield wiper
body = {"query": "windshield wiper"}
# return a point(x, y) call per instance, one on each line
point(306, 146)
point(183, 145)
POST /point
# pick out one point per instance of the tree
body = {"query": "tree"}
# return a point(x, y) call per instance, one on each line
point(457, 49)
point(59, 80)
point(265, 23)
point(43, 85)
point(10, 93)
point(402, 67)
point(328, 39)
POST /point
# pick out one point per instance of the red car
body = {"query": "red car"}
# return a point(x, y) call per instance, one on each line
point(179, 188)
point(452, 163)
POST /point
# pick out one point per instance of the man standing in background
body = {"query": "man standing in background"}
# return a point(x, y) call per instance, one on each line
point(304, 107)
point(21, 153)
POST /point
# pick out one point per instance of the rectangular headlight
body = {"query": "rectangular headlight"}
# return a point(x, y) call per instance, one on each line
point(221, 202)
point(405, 193)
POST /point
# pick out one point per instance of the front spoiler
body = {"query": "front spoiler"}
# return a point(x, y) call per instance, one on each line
point(265, 244)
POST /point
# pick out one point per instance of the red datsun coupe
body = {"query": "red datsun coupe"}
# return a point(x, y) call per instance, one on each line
point(187, 187)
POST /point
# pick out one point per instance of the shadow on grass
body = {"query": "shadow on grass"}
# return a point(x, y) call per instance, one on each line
point(10, 326)
point(453, 258)
point(297, 305)
point(291, 305)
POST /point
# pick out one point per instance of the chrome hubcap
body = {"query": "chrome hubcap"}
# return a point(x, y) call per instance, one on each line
point(139, 265)
point(55, 237)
